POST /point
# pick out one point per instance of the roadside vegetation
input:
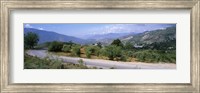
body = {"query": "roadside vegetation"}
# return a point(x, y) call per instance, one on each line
point(31, 62)
point(117, 51)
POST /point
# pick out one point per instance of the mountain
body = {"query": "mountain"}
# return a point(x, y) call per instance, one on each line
point(47, 36)
point(149, 37)
point(99, 37)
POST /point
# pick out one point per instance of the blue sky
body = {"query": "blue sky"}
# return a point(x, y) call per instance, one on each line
point(79, 30)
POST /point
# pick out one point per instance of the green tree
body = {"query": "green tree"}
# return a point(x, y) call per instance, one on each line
point(92, 50)
point(128, 46)
point(66, 48)
point(88, 51)
point(99, 44)
point(117, 42)
point(112, 51)
point(30, 40)
point(76, 50)
point(55, 46)
point(96, 50)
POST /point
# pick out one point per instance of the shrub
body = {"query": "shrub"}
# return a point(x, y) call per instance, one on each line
point(123, 58)
point(112, 52)
point(128, 46)
point(80, 61)
point(155, 56)
point(76, 50)
point(130, 53)
point(55, 46)
point(88, 51)
point(42, 45)
point(66, 48)
point(96, 50)
point(102, 52)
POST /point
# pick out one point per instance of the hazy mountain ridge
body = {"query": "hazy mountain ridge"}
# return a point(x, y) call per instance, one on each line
point(47, 36)
point(108, 36)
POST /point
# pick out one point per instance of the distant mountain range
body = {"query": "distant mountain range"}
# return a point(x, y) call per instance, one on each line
point(108, 36)
point(147, 37)
point(47, 36)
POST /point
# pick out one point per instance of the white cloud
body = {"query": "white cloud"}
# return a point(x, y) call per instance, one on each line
point(28, 26)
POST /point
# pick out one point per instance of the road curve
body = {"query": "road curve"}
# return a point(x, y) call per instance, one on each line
point(99, 63)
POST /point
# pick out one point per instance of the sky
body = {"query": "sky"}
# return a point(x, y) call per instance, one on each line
point(83, 29)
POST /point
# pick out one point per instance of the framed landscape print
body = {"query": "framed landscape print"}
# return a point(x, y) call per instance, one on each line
point(100, 46)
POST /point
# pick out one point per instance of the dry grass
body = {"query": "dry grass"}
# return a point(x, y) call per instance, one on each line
point(31, 62)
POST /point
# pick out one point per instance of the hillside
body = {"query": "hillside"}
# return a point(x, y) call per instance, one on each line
point(148, 37)
point(47, 36)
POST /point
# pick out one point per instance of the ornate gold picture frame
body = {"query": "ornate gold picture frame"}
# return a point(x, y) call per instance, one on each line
point(8, 5)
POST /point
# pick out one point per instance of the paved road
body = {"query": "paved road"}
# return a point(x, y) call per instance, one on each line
point(99, 63)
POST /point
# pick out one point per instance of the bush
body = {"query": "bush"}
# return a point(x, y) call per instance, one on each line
point(66, 48)
point(102, 52)
point(128, 46)
point(88, 52)
point(130, 53)
point(155, 56)
point(76, 50)
point(112, 52)
point(42, 45)
point(96, 50)
point(55, 46)
point(80, 61)
point(123, 58)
